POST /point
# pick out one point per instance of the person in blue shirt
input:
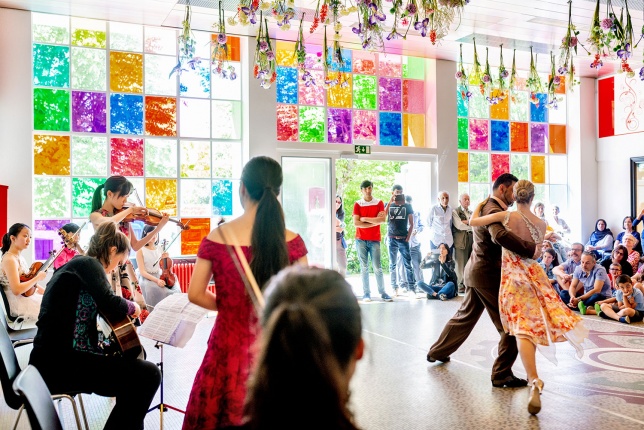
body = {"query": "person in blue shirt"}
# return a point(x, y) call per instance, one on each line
point(595, 282)
point(630, 303)
point(629, 227)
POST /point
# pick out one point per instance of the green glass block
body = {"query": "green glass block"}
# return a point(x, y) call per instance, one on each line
point(51, 109)
point(126, 37)
point(226, 159)
point(157, 82)
point(196, 198)
point(88, 33)
point(226, 119)
point(478, 193)
point(82, 193)
point(312, 124)
point(51, 65)
point(413, 67)
point(463, 188)
point(89, 69)
point(365, 92)
point(50, 28)
point(519, 166)
point(195, 159)
point(479, 107)
point(479, 167)
point(89, 156)
point(463, 136)
point(51, 197)
point(461, 101)
point(161, 158)
point(520, 106)
point(541, 193)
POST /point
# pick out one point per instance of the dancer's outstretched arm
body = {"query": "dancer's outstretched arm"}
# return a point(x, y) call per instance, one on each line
point(480, 220)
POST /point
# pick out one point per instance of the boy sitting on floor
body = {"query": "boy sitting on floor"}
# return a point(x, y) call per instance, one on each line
point(630, 303)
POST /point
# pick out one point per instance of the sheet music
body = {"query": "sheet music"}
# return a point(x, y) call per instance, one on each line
point(173, 320)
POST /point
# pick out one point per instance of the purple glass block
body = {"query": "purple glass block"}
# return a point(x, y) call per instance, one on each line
point(538, 137)
point(479, 132)
point(390, 94)
point(339, 125)
point(49, 224)
point(88, 112)
point(43, 247)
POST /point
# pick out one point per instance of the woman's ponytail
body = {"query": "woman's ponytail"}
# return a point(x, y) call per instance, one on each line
point(97, 199)
point(6, 243)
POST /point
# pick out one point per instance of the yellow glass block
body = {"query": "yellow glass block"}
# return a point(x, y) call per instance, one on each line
point(285, 53)
point(51, 155)
point(126, 72)
point(538, 168)
point(191, 238)
point(501, 110)
point(161, 194)
point(463, 167)
point(414, 130)
point(340, 95)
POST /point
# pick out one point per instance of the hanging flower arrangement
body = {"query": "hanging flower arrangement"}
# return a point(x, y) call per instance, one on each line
point(554, 82)
point(370, 17)
point(283, 11)
point(513, 77)
point(247, 12)
point(476, 74)
point(499, 86)
point(187, 46)
point(220, 54)
point(264, 69)
point(567, 50)
point(533, 82)
point(300, 56)
point(486, 78)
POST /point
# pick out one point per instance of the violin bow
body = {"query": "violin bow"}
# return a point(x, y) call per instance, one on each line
point(165, 248)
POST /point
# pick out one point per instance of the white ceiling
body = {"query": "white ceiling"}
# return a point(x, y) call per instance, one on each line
point(516, 23)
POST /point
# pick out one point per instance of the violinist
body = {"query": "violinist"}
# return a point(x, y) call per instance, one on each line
point(16, 240)
point(149, 259)
point(68, 251)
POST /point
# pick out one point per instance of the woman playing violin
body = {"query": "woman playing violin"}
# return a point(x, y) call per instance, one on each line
point(149, 259)
point(16, 240)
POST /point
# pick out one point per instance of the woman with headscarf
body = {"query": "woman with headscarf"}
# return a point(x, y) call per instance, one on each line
point(601, 240)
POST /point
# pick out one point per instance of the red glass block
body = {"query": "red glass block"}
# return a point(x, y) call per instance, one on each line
point(287, 123)
point(126, 156)
point(500, 165)
point(606, 106)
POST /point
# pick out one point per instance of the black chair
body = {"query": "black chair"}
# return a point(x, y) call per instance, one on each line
point(16, 336)
point(32, 389)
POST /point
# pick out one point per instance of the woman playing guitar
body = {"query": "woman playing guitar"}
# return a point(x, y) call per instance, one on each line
point(66, 348)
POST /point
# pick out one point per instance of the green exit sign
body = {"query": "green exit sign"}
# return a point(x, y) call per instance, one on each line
point(361, 149)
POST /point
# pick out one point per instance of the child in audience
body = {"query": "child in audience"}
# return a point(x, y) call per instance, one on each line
point(630, 303)
point(547, 263)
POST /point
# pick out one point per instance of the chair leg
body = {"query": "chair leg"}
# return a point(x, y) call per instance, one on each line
point(82, 405)
point(15, 424)
point(59, 397)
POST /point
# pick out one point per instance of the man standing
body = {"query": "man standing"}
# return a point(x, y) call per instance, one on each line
point(463, 238)
point(483, 279)
point(368, 214)
point(400, 227)
point(440, 222)
point(414, 251)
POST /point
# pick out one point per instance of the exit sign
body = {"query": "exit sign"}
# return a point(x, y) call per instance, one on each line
point(361, 149)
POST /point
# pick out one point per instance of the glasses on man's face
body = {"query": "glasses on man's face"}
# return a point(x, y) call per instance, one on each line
point(615, 270)
point(577, 249)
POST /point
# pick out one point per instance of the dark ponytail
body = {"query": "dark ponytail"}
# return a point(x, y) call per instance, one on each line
point(14, 230)
point(119, 185)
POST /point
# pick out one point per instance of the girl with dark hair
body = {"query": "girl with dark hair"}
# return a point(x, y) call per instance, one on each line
point(600, 240)
point(443, 283)
point(148, 261)
point(219, 388)
point(340, 242)
point(22, 309)
point(618, 256)
point(68, 253)
point(66, 348)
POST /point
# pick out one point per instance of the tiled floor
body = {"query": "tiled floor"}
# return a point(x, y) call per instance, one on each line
point(395, 388)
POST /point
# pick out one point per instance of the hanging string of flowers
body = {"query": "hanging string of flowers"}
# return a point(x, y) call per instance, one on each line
point(499, 86)
point(486, 79)
point(554, 81)
point(567, 50)
point(264, 69)
point(187, 45)
point(513, 77)
point(475, 74)
point(220, 55)
point(461, 77)
point(300, 56)
point(533, 82)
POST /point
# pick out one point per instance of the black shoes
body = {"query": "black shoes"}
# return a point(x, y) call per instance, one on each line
point(442, 360)
point(510, 382)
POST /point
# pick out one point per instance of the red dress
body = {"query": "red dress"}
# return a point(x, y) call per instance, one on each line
point(219, 389)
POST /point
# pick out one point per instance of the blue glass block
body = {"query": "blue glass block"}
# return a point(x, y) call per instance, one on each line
point(286, 85)
point(539, 113)
point(461, 101)
point(500, 136)
point(346, 56)
point(222, 197)
point(390, 129)
point(126, 114)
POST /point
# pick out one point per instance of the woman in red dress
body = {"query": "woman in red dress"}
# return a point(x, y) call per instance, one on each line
point(219, 389)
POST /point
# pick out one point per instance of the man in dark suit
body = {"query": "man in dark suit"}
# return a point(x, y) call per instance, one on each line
point(483, 277)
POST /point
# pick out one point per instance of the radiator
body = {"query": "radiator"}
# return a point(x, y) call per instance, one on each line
point(183, 272)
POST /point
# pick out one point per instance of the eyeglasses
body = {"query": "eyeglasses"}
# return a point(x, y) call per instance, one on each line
point(616, 270)
point(577, 250)
point(338, 201)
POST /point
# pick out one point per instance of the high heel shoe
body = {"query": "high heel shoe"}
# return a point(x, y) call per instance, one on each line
point(534, 402)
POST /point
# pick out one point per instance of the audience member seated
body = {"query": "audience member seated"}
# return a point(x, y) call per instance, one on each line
point(564, 271)
point(443, 283)
point(547, 262)
point(595, 282)
point(628, 225)
point(601, 240)
point(558, 224)
point(614, 272)
point(633, 256)
point(539, 210)
point(545, 246)
point(618, 256)
point(629, 306)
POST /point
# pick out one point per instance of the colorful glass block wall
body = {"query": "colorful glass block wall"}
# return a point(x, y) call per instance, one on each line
point(381, 100)
point(514, 135)
point(104, 104)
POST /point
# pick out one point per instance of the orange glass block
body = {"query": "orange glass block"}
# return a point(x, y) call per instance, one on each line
point(191, 238)
point(285, 53)
point(463, 167)
point(414, 130)
point(52, 155)
point(126, 72)
point(160, 116)
point(501, 110)
point(561, 89)
point(538, 168)
point(161, 194)
point(338, 95)
point(233, 46)
point(557, 139)
point(519, 136)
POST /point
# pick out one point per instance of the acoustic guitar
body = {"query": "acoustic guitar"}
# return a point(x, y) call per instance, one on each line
point(123, 341)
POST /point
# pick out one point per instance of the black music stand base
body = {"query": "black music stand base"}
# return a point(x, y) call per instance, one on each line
point(162, 407)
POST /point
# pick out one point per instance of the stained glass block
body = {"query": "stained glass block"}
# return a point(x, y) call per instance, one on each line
point(51, 155)
point(233, 42)
point(538, 169)
point(500, 165)
point(561, 89)
point(365, 125)
point(557, 139)
point(413, 67)
point(478, 193)
point(88, 32)
point(479, 107)
point(160, 116)
point(461, 101)
point(126, 114)
point(463, 133)
point(287, 116)
point(161, 194)
point(500, 135)
point(557, 195)
point(519, 136)
point(227, 119)
point(195, 200)
point(557, 169)
point(225, 88)
point(390, 129)
point(51, 197)
point(139, 186)
point(313, 60)
point(389, 94)
point(50, 28)
point(312, 93)
point(286, 88)
point(160, 41)
point(312, 124)
point(126, 156)
point(45, 236)
point(51, 65)
point(89, 112)
point(413, 96)
point(126, 72)
point(203, 48)
point(541, 193)
point(51, 109)
point(194, 117)
point(82, 194)
point(479, 131)
point(414, 130)
point(558, 116)
point(340, 95)
point(346, 57)
point(365, 92)
point(222, 197)
point(89, 156)
point(196, 83)
point(161, 158)
point(339, 125)
point(364, 62)
point(463, 167)
point(538, 137)
point(463, 188)
point(191, 239)
point(284, 53)
point(500, 110)
point(158, 82)
point(539, 111)
point(521, 81)
point(519, 106)
point(226, 159)
point(390, 65)
point(519, 165)
point(126, 37)
point(89, 69)
point(479, 167)
point(195, 159)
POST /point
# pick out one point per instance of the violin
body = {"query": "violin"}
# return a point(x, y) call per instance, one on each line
point(166, 266)
point(149, 217)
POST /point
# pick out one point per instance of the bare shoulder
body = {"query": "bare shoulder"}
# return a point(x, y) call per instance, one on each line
point(290, 235)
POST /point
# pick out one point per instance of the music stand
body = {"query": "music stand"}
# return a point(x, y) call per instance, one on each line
point(162, 406)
